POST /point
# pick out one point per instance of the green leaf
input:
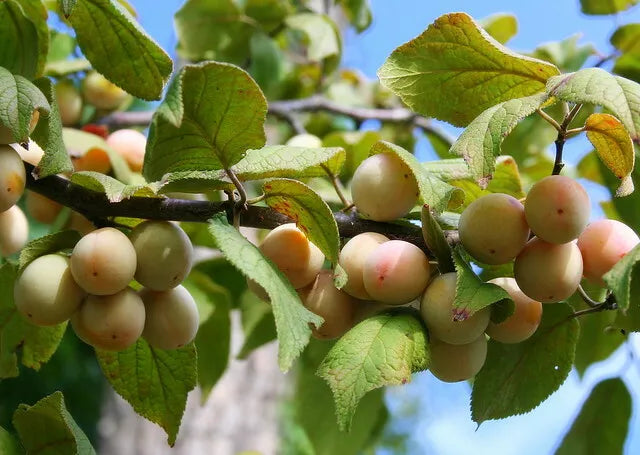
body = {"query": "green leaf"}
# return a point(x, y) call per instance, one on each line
point(601, 426)
point(433, 191)
point(518, 377)
point(36, 344)
point(310, 213)
point(455, 70)
point(473, 294)
point(115, 190)
point(614, 147)
point(382, 350)
point(619, 278)
point(501, 26)
point(47, 427)
point(436, 241)
point(107, 33)
point(605, 7)
point(268, 63)
point(480, 142)
point(321, 34)
point(20, 98)
point(291, 162)
point(356, 145)
point(269, 13)
point(566, 54)
point(154, 381)
point(8, 444)
point(19, 41)
point(292, 318)
point(209, 120)
point(625, 39)
point(358, 13)
point(596, 86)
point(67, 6)
point(258, 324)
point(48, 244)
point(213, 30)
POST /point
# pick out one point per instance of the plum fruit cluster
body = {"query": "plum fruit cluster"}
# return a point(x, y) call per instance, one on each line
point(91, 288)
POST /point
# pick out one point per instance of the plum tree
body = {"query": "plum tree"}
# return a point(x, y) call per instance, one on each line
point(14, 231)
point(384, 188)
point(525, 318)
point(130, 144)
point(337, 308)
point(305, 140)
point(111, 322)
point(602, 244)
point(6, 137)
point(42, 208)
point(457, 362)
point(69, 102)
point(352, 258)
point(437, 310)
point(101, 92)
point(164, 254)
point(172, 317)
point(45, 292)
point(12, 177)
point(103, 262)
point(548, 272)
point(493, 228)
point(557, 209)
point(396, 272)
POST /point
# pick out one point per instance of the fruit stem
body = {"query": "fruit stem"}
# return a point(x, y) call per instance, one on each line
point(335, 181)
point(562, 137)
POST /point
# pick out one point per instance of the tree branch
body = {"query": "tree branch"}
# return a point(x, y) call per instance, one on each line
point(562, 138)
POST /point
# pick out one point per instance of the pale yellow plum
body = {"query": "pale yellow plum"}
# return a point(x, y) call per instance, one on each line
point(525, 318)
point(437, 312)
point(69, 102)
point(131, 145)
point(352, 258)
point(102, 93)
point(12, 177)
point(172, 318)
point(42, 208)
point(454, 363)
point(557, 209)
point(45, 292)
point(6, 137)
point(602, 244)
point(493, 228)
point(110, 322)
point(384, 188)
point(104, 262)
point(164, 253)
point(396, 272)
point(14, 231)
point(32, 155)
point(337, 308)
point(305, 140)
point(548, 272)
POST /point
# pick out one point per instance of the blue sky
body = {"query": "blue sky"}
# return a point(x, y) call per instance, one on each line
point(442, 424)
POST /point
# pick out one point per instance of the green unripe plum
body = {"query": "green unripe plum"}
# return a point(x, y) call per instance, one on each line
point(396, 272)
point(14, 231)
point(102, 93)
point(457, 362)
point(493, 228)
point(6, 137)
point(164, 252)
point(111, 322)
point(172, 318)
point(557, 209)
point(12, 177)
point(525, 318)
point(42, 208)
point(437, 312)
point(384, 188)
point(130, 145)
point(103, 262)
point(337, 308)
point(352, 258)
point(305, 140)
point(602, 244)
point(46, 293)
point(69, 102)
point(548, 272)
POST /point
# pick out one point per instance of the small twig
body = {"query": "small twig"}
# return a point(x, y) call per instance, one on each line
point(605, 58)
point(549, 119)
point(241, 204)
point(588, 300)
point(608, 304)
point(573, 131)
point(337, 185)
point(562, 137)
point(256, 199)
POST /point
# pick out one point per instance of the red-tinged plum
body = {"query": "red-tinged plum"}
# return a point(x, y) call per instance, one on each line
point(42, 208)
point(172, 318)
point(131, 145)
point(457, 362)
point(102, 93)
point(46, 293)
point(110, 322)
point(352, 258)
point(164, 253)
point(337, 308)
point(104, 262)
point(384, 188)
point(69, 102)
point(548, 272)
point(14, 231)
point(525, 318)
point(493, 228)
point(602, 244)
point(437, 312)
point(12, 177)
point(557, 209)
point(94, 159)
point(396, 272)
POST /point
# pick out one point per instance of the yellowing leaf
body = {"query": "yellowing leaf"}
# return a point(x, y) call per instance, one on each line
point(614, 147)
point(501, 26)
point(455, 70)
